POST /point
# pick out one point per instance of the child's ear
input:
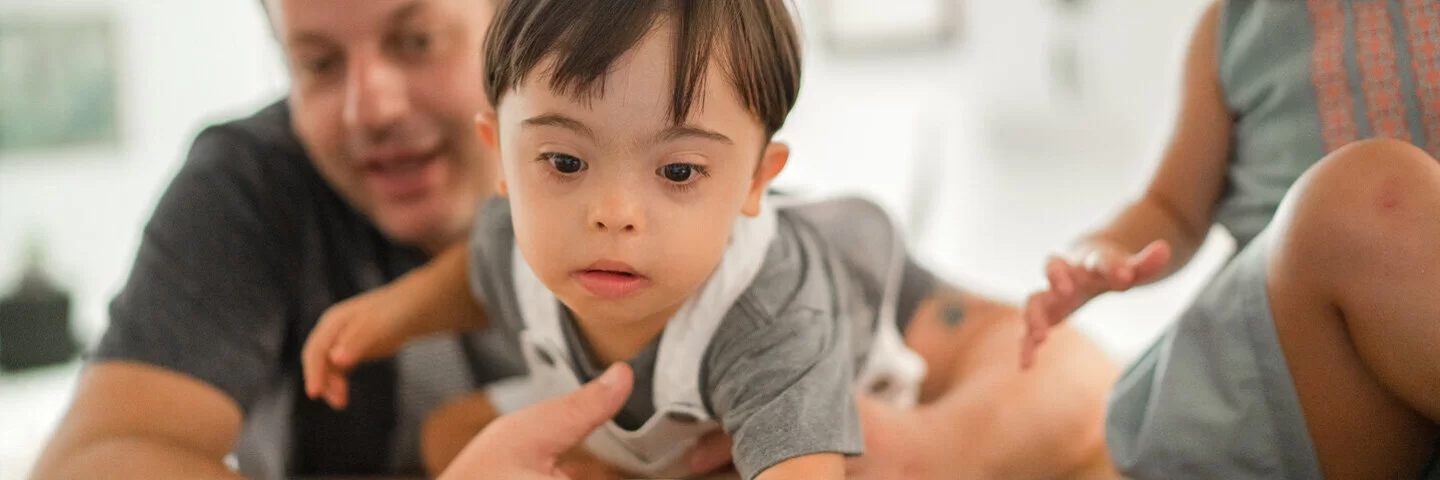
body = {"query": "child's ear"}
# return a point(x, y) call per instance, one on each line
point(771, 163)
point(489, 135)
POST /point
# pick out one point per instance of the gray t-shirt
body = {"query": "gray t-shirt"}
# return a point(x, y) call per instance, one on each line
point(779, 371)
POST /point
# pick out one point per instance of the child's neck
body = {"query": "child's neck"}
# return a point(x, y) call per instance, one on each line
point(617, 340)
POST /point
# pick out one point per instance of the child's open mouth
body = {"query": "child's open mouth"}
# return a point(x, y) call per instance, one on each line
point(610, 279)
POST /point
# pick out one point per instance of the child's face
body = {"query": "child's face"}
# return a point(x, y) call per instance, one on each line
point(622, 214)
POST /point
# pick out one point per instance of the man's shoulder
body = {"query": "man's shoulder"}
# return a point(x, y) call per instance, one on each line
point(252, 163)
point(262, 144)
point(269, 126)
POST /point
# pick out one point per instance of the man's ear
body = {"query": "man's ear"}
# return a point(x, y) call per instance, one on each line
point(485, 126)
point(486, 129)
point(772, 161)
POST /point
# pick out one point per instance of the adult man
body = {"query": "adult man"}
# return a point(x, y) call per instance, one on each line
point(367, 168)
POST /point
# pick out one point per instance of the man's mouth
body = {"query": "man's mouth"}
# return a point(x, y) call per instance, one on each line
point(403, 176)
point(399, 166)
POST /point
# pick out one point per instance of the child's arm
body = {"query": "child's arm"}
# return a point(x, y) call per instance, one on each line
point(815, 466)
point(431, 299)
point(1160, 232)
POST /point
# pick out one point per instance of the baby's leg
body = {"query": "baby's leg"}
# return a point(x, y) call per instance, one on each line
point(1354, 286)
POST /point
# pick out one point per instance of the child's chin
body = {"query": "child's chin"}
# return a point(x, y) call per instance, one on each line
point(613, 311)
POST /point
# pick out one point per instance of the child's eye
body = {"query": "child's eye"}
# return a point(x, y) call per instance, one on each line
point(565, 164)
point(681, 172)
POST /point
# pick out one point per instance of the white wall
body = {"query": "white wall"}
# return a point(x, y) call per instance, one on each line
point(989, 163)
point(183, 63)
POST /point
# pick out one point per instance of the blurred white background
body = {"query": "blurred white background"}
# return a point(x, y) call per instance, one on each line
point(1035, 125)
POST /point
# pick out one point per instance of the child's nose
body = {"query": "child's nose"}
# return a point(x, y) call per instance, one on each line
point(619, 226)
point(619, 212)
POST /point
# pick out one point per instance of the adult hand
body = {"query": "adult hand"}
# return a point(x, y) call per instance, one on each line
point(525, 445)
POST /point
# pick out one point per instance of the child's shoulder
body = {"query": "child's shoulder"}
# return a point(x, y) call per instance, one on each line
point(492, 235)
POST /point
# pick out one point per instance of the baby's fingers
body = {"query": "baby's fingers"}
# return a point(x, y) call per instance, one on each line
point(1058, 271)
point(337, 392)
point(314, 357)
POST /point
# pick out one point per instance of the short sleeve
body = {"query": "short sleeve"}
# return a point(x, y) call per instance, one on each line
point(203, 297)
point(782, 388)
point(491, 244)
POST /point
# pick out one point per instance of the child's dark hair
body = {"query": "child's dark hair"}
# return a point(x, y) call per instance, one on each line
point(757, 38)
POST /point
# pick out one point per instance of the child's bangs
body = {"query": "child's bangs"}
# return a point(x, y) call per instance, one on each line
point(578, 42)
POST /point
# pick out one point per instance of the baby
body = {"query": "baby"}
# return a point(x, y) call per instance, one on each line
point(635, 141)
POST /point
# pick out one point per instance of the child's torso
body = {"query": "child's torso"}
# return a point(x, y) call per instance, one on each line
point(1304, 77)
point(828, 265)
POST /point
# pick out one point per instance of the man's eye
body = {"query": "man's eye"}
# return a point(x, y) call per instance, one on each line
point(415, 43)
point(322, 66)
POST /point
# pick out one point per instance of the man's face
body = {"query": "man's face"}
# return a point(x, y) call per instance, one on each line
point(384, 94)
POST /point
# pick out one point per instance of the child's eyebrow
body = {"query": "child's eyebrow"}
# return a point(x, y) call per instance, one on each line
point(689, 131)
point(560, 121)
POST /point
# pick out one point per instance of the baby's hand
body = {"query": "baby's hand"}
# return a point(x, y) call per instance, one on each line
point(361, 328)
point(1099, 268)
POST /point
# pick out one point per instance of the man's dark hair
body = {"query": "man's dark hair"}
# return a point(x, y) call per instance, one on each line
point(755, 40)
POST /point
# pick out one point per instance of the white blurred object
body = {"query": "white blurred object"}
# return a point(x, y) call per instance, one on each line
point(868, 26)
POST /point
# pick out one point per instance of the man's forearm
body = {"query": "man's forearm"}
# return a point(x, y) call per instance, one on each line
point(138, 458)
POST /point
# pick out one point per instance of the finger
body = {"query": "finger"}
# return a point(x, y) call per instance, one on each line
point(1151, 260)
point(1033, 315)
point(711, 453)
point(337, 392)
point(348, 346)
point(314, 361)
point(1117, 271)
point(1035, 319)
point(1058, 272)
point(552, 427)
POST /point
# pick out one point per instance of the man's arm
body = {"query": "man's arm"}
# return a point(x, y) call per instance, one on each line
point(131, 420)
point(198, 329)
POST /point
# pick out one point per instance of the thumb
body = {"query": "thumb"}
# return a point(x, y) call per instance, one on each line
point(557, 425)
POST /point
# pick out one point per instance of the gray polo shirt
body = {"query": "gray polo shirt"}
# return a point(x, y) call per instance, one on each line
point(779, 371)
